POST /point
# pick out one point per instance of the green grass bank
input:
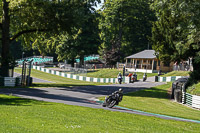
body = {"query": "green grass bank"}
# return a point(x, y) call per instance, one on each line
point(22, 115)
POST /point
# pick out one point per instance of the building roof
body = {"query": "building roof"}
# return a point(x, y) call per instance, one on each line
point(146, 54)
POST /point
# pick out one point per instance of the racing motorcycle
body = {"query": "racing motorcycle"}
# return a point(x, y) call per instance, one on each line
point(144, 77)
point(133, 78)
point(120, 79)
point(113, 99)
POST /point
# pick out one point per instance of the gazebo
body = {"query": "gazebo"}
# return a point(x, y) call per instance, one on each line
point(146, 61)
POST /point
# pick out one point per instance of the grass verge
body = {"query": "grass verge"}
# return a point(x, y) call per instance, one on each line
point(194, 89)
point(23, 115)
point(112, 73)
point(176, 73)
point(155, 100)
point(57, 81)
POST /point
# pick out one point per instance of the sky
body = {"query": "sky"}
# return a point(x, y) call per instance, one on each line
point(99, 5)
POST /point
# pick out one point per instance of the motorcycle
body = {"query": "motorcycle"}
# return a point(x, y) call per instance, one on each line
point(144, 77)
point(113, 99)
point(133, 78)
point(120, 79)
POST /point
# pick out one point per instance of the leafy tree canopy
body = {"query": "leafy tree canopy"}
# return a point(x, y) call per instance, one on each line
point(125, 27)
point(34, 20)
point(175, 34)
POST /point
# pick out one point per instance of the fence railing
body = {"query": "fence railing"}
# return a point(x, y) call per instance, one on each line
point(10, 81)
point(182, 68)
point(191, 100)
point(168, 79)
point(78, 77)
point(139, 66)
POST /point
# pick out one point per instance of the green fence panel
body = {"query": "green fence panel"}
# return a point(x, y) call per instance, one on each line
point(173, 78)
point(91, 79)
point(77, 77)
point(164, 79)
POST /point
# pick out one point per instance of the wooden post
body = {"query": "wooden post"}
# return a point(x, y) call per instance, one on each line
point(152, 64)
point(141, 63)
point(135, 64)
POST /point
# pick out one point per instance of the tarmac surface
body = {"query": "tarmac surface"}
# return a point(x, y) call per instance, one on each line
point(87, 95)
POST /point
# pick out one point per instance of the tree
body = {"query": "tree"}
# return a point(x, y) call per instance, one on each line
point(28, 20)
point(176, 31)
point(82, 41)
point(125, 27)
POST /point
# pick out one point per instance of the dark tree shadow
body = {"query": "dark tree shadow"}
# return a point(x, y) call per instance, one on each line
point(17, 101)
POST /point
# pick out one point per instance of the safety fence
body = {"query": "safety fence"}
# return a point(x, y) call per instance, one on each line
point(78, 77)
point(168, 79)
point(36, 60)
point(191, 100)
point(10, 81)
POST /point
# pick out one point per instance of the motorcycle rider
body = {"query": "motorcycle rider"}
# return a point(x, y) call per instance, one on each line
point(119, 76)
point(130, 75)
point(120, 92)
point(117, 95)
point(144, 77)
point(135, 76)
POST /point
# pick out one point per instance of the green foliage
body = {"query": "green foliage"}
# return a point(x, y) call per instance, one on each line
point(125, 27)
point(34, 21)
point(84, 41)
point(175, 34)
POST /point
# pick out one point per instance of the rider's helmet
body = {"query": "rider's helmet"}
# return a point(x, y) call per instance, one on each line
point(120, 90)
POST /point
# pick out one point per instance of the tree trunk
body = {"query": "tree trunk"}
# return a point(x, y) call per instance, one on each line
point(195, 75)
point(72, 63)
point(5, 40)
point(81, 63)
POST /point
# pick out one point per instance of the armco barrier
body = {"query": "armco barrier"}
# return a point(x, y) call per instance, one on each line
point(10, 81)
point(191, 100)
point(169, 79)
point(78, 77)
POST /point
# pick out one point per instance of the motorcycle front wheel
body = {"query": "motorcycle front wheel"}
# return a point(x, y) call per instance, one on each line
point(111, 104)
